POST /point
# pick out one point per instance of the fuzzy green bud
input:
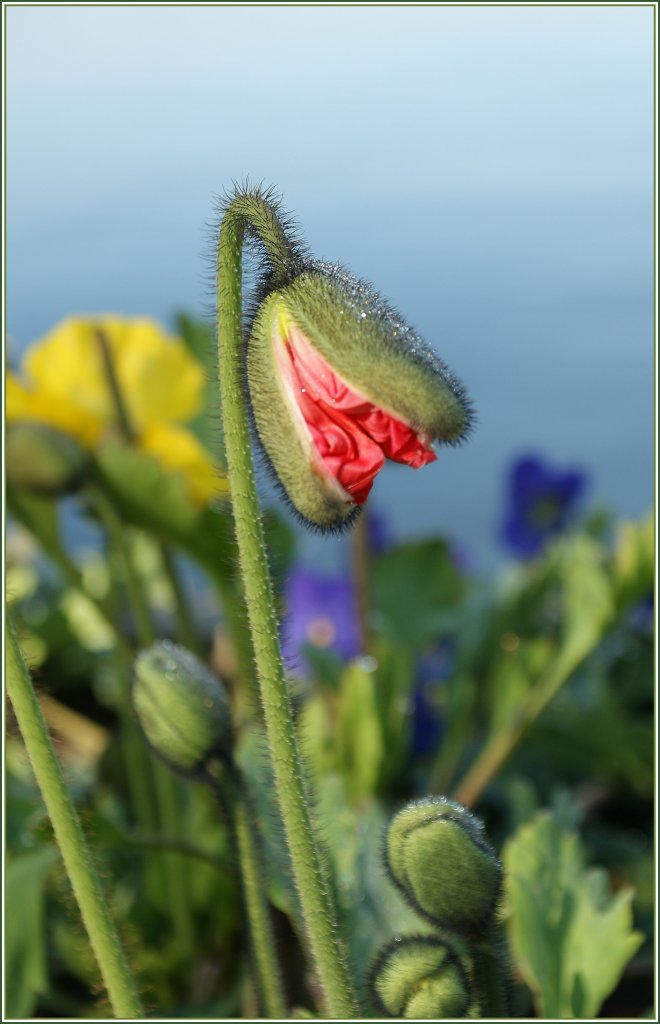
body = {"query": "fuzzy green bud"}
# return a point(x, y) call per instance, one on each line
point(338, 383)
point(182, 707)
point(420, 978)
point(438, 856)
point(43, 460)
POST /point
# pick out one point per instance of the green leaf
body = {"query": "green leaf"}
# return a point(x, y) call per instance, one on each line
point(39, 516)
point(634, 561)
point(358, 730)
point(25, 936)
point(588, 599)
point(148, 497)
point(207, 426)
point(415, 589)
point(570, 936)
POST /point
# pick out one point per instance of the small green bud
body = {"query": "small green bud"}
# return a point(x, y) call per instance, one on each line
point(437, 855)
point(44, 460)
point(338, 383)
point(420, 978)
point(182, 707)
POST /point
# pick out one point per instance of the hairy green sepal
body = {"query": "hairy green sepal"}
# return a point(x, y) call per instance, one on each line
point(420, 978)
point(438, 857)
point(183, 709)
point(366, 344)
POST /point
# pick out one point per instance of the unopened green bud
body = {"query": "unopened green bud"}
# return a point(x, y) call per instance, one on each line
point(338, 383)
point(43, 460)
point(439, 858)
point(182, 707)
point(420, 978)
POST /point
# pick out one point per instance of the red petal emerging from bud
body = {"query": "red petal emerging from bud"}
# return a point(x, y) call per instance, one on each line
point(351, 437)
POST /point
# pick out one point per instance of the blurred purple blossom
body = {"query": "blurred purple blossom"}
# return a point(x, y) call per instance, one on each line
point(427, 724)
point(320, 611)
point(541, 503)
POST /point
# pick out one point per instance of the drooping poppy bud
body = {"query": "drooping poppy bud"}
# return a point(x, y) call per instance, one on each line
point(420, 978)
point(437, 855)
point(182, 707)
point(338, 383)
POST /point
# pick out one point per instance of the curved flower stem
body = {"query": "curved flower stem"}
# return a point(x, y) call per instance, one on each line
point(309, 868)
point(502, 745)
point(69, 835)
point(232, 800)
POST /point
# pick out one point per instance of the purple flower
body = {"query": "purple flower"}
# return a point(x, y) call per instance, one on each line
point(321, 611)
point(542, 502)
point(427, 724)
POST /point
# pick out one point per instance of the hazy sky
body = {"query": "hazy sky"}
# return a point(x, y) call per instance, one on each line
point(489, 169)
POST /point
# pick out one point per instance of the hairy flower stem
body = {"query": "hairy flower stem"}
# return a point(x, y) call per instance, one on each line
point(69, 835)
point(309, 868)
point(490, 971)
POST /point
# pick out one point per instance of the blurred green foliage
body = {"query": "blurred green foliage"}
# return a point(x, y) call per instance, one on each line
point(550, 661)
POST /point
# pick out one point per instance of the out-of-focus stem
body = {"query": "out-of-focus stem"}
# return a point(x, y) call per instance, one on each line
point(70, 838)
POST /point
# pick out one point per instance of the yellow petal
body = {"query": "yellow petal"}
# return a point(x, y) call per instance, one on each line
point(179, 451)
point(23, 404)
point(158, 377)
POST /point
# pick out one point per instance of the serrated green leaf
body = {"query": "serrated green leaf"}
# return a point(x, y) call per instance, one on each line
point(570, 936)
point(27, 975)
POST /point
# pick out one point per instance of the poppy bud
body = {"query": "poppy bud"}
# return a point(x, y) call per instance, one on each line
point(420, 978)
point(43, 460)
point(183, 709)
point(437, 855)
point(337, 385)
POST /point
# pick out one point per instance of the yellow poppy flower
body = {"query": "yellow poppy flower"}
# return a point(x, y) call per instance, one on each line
point(65, 385)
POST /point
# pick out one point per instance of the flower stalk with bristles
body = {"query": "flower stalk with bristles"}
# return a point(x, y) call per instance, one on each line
point(336, 384)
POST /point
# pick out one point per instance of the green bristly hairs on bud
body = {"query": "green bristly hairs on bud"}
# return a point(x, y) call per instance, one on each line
point(250, 215)
point(185, 715)
point(182, 707)
point(420, 977)
point(437, 856)
point(362, 339)
point(69, 836)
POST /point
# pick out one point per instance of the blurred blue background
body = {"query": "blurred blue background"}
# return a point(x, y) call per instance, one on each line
point(489, 169)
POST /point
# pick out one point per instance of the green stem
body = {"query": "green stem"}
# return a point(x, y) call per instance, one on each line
point(110, 371)
point(233, 802)
point(169, 814)
point(489, 973)
point(502, 745)
point(259, 916)
point(309, 868)
point(186, 626)
point(164, 783)
point(116, 532)
point(69, 835)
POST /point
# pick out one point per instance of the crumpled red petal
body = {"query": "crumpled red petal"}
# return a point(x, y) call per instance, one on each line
point(351, 435)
